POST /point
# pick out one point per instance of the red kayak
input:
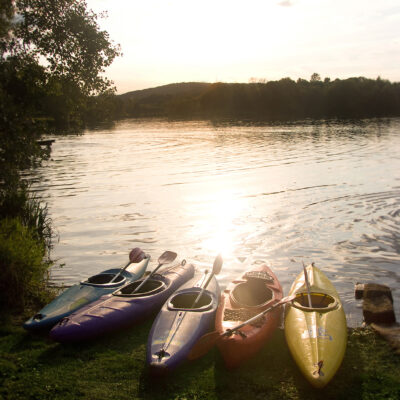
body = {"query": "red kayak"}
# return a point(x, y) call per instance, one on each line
point(255, 291)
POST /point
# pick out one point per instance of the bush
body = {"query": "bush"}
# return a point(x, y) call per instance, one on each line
point(23, 269)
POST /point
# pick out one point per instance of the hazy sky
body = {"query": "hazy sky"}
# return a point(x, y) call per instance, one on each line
point(167, 41)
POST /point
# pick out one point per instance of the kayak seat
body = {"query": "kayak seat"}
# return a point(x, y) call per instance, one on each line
point(103, 279)
point(243, 314)
point(184, 302)
point(320, 302)
point(152, 286)
point(265, 276)
point(252, 293)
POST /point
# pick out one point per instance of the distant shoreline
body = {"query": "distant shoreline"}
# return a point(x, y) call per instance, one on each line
point(269, 101)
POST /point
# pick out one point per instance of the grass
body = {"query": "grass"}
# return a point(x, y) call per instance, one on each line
point(32, 367)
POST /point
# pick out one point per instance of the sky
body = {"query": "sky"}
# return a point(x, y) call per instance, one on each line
point(169, 41)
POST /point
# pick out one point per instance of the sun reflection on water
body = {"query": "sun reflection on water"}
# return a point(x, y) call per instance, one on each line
point(224, 211)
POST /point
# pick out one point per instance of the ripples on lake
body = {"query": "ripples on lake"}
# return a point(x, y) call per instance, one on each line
point(325, 192)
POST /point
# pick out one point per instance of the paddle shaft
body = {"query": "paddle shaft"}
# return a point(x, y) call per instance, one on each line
point(215, 271)
point(202, 290)
point(121, 271)
point(147, 278)
point(206, 342)
point(249, 321)
point(135, 255)
point(307, 286)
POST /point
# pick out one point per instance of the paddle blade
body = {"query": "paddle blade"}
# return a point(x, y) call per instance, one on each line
point(136, 255)
point(167, 257)
point(204, 345)
point(217, 264)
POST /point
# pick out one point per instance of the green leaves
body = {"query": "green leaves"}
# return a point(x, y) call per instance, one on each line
point(66, 35)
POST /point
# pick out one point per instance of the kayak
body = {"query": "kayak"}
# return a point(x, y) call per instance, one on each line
point(83, 293)
point(316, 336)
point(123, 308)
point(253, 292)
point(179, 325)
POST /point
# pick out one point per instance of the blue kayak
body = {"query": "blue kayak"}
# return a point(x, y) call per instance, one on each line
point(123, 308)
point(83, 293)
point(178, 325)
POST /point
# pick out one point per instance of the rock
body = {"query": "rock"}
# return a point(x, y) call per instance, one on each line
point(379, 310)
point(391, 333)
point(373, 290)
point(359, 291)
point(378, 304)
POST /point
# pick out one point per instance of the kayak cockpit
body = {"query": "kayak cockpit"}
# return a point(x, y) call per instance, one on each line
point(252, 293)
point(104, 280)
point(151, 287)
point(321, 302)
point(184, 302)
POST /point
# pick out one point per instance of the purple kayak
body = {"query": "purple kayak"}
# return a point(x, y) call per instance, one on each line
point(122, 308)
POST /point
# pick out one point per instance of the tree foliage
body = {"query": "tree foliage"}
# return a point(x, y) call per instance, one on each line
point(52, 56)
point(65, 37)
point(274, 100)
point(21, 92)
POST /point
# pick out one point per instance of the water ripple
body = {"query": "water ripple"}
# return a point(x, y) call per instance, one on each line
point(322, 191)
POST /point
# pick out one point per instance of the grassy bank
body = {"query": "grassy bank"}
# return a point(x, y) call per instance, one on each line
point(32, 367)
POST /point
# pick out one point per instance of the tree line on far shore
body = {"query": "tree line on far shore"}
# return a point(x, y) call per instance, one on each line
point(284, 99)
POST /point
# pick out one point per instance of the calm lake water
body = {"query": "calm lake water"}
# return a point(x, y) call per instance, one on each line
point(327, 192)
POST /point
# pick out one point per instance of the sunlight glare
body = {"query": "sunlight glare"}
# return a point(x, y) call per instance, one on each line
point(223, 212)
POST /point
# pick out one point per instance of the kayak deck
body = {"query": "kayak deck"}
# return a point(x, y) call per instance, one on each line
point(179, 325)
point(252, 293)
point(83, 293)
point(122, 308)
point(317, 335)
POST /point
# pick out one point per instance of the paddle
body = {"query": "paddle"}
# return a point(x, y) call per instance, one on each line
point(307, 285)
point(136, 255)
point(207, 341)
point(215, 271)
point(165, 258)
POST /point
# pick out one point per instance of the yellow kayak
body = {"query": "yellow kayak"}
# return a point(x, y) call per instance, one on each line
point(316, 336)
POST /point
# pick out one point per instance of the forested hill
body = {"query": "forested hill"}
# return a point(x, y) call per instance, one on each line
point(172, 99)
point(274, 100)
point(173, 90)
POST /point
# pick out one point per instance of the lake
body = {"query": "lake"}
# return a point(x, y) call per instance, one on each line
point(315, 191)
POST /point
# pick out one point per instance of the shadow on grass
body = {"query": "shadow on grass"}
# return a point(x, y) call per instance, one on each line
point(114, 367)
point(271, 374)
point(120, 343)
point(191, 380)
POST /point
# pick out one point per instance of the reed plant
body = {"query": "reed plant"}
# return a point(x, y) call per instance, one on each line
point(25, 240)
point(32, 212)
